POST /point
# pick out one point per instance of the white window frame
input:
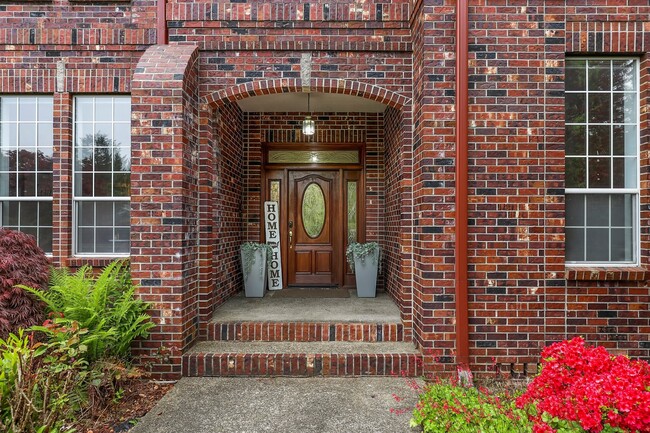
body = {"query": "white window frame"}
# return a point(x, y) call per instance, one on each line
point(78, 199)
point(36, 197)
point(636, 192)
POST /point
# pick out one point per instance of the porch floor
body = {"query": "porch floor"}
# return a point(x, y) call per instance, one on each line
point(381, 309)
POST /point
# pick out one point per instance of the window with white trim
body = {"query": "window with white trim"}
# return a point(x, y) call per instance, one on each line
point(602, 161)
point(26, 146)
point(102, 167)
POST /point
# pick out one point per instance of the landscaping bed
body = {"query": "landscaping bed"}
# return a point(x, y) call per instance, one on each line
point(579, 389)
point(140, 396)
point(65, 345)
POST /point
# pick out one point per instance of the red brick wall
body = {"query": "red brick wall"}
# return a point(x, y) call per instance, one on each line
point(54, 25)
point(224, 196)
point(398, 225)
point(510, 141)
point(521, 297)
point(164, 202)
point(433, 180)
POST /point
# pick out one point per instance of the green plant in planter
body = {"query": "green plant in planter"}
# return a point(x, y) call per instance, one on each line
point(361, 252)
point(248, 250)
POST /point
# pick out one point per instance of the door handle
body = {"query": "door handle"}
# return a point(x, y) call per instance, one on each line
point(290, 234)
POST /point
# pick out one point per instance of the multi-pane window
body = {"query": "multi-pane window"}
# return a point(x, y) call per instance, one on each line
point(26, 147)
point(602, 160)
point(102, 165)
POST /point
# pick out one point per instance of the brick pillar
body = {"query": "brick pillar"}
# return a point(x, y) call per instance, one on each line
point(434, 181)
point(164, 201)
point(62, 180)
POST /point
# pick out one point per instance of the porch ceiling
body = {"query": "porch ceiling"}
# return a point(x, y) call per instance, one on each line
point(320, 103)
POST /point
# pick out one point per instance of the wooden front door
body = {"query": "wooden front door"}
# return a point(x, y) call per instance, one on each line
point(314, 228)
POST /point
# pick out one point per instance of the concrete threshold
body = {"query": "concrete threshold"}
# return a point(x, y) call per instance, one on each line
point(381, 309)
point(292, 347)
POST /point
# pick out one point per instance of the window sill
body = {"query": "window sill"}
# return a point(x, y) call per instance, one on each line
point(95, 262)
point(607, 274)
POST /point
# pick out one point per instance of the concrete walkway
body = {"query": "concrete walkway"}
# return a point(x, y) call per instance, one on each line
point(283, 405)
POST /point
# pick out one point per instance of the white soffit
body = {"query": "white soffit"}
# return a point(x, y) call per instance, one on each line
point(320, 103)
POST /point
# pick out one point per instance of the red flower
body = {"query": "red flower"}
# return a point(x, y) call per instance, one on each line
point(589, 386)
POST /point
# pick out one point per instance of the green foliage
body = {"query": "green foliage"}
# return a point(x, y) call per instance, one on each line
point(361, 251)
point(447, 408)
point(104, 306)
point(566, 426)
point(559, 425)
point(248, 250)
point(40, 383)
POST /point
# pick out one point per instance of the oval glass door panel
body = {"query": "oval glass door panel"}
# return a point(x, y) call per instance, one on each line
point(313, 210)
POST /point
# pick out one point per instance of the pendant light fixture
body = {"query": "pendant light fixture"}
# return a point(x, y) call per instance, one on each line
point(308, 125)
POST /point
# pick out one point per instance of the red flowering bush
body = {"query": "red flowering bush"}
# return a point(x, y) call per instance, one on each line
point(582, 388)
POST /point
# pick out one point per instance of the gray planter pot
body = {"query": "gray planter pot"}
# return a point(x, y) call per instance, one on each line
point(365, 273)
point(255, 280)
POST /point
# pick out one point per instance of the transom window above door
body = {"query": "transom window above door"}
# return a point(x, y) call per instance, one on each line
point(313, 157)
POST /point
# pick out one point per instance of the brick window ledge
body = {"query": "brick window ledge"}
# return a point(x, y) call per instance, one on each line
point(607, 274)
point(95, 262)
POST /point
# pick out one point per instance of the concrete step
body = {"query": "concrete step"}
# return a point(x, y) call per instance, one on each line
point(304, 331)
point(302, 359)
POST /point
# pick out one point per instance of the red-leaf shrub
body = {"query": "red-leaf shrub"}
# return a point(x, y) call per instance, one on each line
point(586, 385)
point(21, 262)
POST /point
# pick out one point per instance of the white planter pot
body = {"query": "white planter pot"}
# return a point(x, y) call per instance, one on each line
point(365, 273)
point(255, 280)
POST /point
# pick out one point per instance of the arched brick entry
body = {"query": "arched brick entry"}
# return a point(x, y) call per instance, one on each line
point(221, 140)
point(347, 87)
point(189, 188)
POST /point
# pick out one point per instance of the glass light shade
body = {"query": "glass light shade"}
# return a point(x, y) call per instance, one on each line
point(308, 126)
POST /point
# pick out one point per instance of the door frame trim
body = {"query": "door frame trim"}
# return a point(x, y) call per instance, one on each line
point(346, 278)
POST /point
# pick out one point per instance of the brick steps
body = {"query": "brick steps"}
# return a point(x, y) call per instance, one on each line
point(302, 359)
point(304, 331)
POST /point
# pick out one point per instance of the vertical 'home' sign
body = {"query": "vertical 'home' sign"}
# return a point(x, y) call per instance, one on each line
point(272, 225)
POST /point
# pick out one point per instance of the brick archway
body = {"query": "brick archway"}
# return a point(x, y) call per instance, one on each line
point(270, 87)
point(396, 173)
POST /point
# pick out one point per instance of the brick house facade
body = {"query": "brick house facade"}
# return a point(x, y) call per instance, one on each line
point(491, 288)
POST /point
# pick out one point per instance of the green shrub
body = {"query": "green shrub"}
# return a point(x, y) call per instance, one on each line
point(104, 306)
point(448, 408)
point(40, 383)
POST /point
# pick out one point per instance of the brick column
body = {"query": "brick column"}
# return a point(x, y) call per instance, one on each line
point(164, 201)
point(62, 180)
point(434, 181)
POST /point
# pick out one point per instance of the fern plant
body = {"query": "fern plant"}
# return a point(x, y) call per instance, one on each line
point(105, 306)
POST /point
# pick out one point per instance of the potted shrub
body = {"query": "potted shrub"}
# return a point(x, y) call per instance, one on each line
point(253, 262)
point(364, 261)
